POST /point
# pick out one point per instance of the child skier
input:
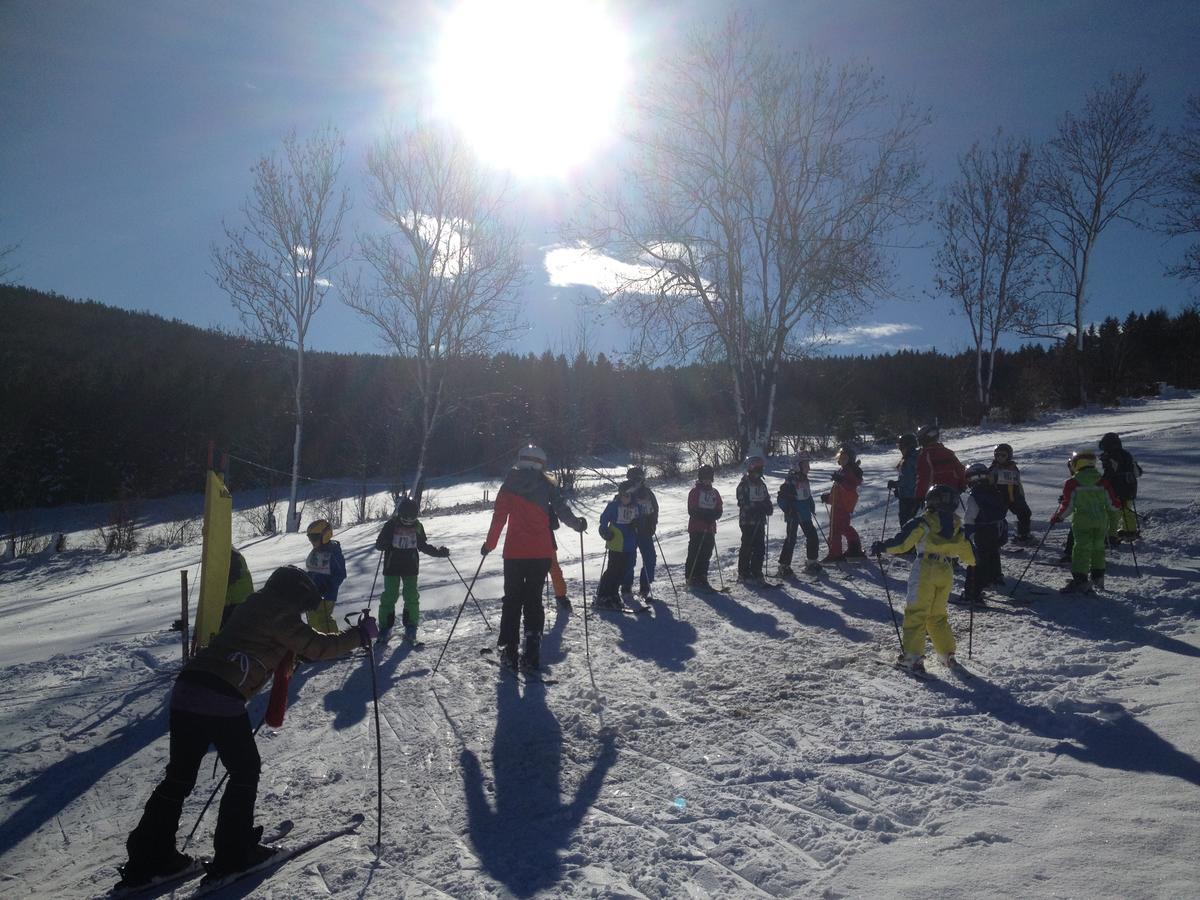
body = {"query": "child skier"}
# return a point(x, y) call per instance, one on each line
point(326, 566)
point(795, 500)
point(208, 707)
point(1089, 502)
point(984, 526)
point(842, 499)
point(401, 540)
point(704, 508)
point(1122, 472)
point(647, 525)
point(241, 585)
point(937, 536)
point(1007, 477)
point(904, 486)
point(754, 505)
point(936, 464)
point(619, 531)
point(523, 504)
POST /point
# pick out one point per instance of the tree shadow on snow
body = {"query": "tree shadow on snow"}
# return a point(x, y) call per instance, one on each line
point(1102, 733)
point(518, 839)
point(660, 638)
point(67, 780)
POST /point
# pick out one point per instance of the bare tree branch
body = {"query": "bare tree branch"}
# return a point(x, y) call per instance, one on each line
point(1183, 207)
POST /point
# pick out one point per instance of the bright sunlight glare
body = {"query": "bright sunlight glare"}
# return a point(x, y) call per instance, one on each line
point(535, 85)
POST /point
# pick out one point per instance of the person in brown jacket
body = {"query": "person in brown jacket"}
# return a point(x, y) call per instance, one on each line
point(208, 707)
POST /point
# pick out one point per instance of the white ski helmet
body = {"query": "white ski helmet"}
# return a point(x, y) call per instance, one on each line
point(531, 457)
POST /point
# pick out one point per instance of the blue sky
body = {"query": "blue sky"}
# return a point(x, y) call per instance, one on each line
point(130, 129)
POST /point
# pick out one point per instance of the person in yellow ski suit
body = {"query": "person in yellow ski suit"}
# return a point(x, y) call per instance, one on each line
point(938, 537)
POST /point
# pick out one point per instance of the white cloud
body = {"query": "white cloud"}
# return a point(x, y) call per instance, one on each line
point(583, 265)
point(862, 334)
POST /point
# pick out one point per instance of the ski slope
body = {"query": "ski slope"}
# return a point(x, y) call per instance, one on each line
point(741, 745)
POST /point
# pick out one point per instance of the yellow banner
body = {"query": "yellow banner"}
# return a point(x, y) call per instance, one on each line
point(214, 559)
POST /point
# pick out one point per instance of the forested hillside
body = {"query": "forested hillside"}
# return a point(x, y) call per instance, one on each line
point(99, 401)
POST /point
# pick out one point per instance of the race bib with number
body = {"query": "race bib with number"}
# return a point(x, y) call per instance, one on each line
point(756, 493)
point(707, 500)
point(404, 539)
point(1008, 476)
point(319, 561)
point(626, 515)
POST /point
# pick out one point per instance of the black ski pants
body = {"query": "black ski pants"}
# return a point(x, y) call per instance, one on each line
point(191, 736)
point(523, 581)
point(615, 568)
point(699, 554)
point(811, 545)
point(753, 548)
point(986, 570)
point(1024, 514)
point(908, 507)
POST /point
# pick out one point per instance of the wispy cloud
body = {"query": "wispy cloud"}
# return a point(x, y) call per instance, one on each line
point(586, 266)
point(866, 334)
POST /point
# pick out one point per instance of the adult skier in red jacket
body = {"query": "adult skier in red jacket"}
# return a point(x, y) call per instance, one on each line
point(936, 464)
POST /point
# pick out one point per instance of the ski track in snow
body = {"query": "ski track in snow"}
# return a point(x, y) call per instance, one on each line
point(747, 744)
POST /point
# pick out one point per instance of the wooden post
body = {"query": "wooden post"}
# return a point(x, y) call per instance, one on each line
point(183, 621)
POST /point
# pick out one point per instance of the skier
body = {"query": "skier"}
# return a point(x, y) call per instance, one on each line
point(795, 500)
point(1089, 502)
point(402, 540)
point(618, 528)
point(936, 464)
point(842, 499)
point(1007, 476)
point(647, 525)
point(1122, 472)
point(937, 536)
point(704, 508)
point(754, 505)
point(208, 707)
point(327, 568)
point(523, 504)
point(984, 525)
point(904, 486)
point(241, 585)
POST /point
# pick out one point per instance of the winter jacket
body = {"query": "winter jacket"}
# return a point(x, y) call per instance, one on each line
point(704, 508)
point(906, 480)
point(795, 500)
point(843, 497)
point(753, 500)
point(647, 505)
point(327, 568)
point(937, 537)
point(1122, 472)
point(523, 503)
point(1088, 501)
point(938, 465)
point(241, 584)
point(260, 632)
point(400, 544)
point(1007, 476)
point(986, 505)
point(618, 525)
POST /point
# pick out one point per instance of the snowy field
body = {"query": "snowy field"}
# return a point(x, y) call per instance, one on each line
point(738, 745)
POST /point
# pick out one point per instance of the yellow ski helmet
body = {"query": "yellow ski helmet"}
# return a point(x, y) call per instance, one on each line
point(1081, 459)
point(321, 531)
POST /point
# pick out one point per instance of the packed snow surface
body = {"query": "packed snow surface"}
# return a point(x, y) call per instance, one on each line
point(747, 744)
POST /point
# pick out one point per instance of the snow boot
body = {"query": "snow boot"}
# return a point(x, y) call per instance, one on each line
point(855, 551)
point(1077, 585)
point(812, 567)
point(608, 601)
point(410, 634)
point(225, 864)
point(1098, 579)
point(948, 660)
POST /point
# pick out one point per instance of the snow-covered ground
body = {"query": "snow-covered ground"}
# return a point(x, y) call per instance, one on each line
point(737, 746)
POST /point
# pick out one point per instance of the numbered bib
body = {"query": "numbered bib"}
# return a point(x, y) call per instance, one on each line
point(645, 508)
point(803, 491)
point(707, 500)
point(1008, 476)
point(404, 539)
point(319, 561)
point(756, 493)
point(626, 515)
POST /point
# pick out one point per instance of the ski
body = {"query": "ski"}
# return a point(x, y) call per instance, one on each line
point(210, 884)
point(918, 676)
point(162, 883)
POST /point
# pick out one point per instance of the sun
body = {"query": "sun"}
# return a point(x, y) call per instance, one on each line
point(535, 85)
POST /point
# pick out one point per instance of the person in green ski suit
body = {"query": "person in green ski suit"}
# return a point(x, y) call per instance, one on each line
point(400, 540)
point(1089, 502)
point(241, 585)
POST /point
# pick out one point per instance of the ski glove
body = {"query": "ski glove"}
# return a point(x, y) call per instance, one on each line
point(877, 548)
point(825, 498)
point(892, 485)
point(368, 630)
point(443, 552)
point(484, 550)
point(581, 525)
point(606, 532)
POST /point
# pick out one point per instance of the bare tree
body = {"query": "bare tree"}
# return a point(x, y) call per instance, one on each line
point(755, 211)
point(275, 267)
point(1183, 206)
point(987, 262)
point(446, 269)
point(7, 264)
point(1101, 166)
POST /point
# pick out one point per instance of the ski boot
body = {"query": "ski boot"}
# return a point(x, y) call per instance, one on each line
point(410, 634)
point(812, 567)
point(785, 571)
point(912, 662)
point(531, 658)
point(1077, 585)
point(608, 601)
point(1098, 580)
point(231, 863)
point(834, 558)
point(855, 551)
point(508, 656)
point(140, 873)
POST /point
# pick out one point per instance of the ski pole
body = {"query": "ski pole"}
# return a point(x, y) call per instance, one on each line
point(370, 648)
point(971, 617)
point(213, 795)
point(886, 507)
point(1045, 535)
point(470, 593)
point(1133, 542)
point(767, 545)
point(887, 590)
point(461, 607)
point(720, 565)
point(670, 577)
point(587, 640)
point(374, 581)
